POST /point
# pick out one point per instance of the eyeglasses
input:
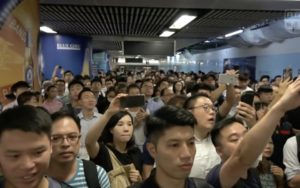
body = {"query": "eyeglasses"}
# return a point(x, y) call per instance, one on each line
point(206, 108)
point(59, 139)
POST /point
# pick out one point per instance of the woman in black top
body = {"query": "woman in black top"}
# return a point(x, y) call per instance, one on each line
point(114, 131)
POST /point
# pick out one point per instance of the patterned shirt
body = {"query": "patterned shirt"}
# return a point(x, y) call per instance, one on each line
point(79, 181)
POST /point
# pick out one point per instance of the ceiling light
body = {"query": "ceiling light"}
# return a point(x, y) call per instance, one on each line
point(166, 33)
point(182, 21)
point(47, 29)
point(234, 33)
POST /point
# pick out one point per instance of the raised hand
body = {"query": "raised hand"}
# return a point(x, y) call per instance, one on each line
point(291, 97)
point(247, 113)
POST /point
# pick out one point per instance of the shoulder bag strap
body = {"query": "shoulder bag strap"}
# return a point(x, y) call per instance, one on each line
point(91, 174)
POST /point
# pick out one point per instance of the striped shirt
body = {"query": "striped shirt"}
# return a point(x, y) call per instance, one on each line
point(79, 181)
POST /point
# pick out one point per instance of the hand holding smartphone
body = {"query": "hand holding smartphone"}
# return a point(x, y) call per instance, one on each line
point(248, 97)
point(227, 79)
point(132, 101)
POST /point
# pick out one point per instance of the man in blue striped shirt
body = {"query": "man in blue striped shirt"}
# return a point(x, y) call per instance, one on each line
point(64, 165)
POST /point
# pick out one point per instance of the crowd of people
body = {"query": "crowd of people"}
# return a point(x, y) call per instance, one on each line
point(191, 131)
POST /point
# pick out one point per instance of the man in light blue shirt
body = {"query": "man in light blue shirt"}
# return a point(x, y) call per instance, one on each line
point(64, 164)
point(88, 117)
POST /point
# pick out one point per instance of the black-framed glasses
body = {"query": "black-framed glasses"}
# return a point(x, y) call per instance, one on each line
point(206, 108)
point(59, 139)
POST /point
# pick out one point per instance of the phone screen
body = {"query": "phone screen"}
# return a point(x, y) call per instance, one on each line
point(247, 97)
point(132, 101)
point(227, 79)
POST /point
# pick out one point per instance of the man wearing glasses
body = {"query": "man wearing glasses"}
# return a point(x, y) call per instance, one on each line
point(206, 156)
point(64, 165)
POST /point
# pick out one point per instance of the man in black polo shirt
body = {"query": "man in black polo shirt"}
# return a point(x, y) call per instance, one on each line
point(170, 132)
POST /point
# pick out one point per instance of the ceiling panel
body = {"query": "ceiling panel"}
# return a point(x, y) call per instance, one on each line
point(97, 20)
point(124, 20)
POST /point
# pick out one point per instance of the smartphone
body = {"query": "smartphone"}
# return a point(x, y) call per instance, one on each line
point(247, 97)
point(227, 79)
point(132, 101)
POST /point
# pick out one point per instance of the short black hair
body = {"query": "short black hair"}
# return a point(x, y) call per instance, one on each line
point(68, 71)
point(163, 80)
point(78, 77)
point(110, 89)
point(190, 102)
point(19, 84)
point(96, 80)
point(177, 100)
point(74, 82)
point(264, 89)
point(86, 77)
point(85, 89)
point(166, 118)
point(147, 80)
point(138, 81)
point(108, 79)
point(277, 76)
point(65, 114)
point(121, 87)
point(208, 75)
point(264, 76)
point(215, 132)
point(244, 76)
point(25, 118)
point(133, 86)
point(202, 86)
point(60, 80)
point(25, 97)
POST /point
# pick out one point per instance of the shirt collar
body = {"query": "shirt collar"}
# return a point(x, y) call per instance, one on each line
point(80, 115)
point(151, 182)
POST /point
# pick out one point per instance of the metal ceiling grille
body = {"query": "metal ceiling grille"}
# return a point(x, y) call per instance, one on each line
point(116, 21)
point(219, 22)
point(121, 21)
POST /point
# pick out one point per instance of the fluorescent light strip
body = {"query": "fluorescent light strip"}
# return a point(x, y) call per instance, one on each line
point(166, 33)
point(234, 33)
point(182, 21)
point(47, 29)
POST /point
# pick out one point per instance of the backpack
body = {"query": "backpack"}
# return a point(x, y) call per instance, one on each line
point(119, 175)
point(91, 174)
point(298, 146)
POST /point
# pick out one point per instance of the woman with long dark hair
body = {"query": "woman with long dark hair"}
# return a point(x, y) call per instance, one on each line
point(112, 138)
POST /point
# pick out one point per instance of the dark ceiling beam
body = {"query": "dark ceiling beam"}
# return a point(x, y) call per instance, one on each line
point(122, 38)
point(188, 4)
